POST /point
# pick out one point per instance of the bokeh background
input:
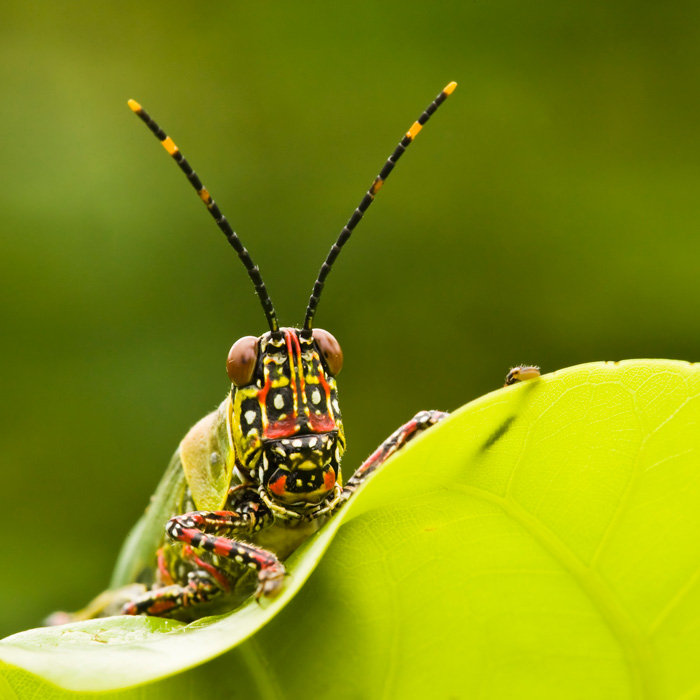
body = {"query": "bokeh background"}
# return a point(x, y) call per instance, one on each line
point(548, 214)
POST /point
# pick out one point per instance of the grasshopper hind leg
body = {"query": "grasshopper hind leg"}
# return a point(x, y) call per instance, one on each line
point(172, 600)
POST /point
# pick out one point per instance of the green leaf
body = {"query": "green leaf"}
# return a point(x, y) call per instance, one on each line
point(541, 543)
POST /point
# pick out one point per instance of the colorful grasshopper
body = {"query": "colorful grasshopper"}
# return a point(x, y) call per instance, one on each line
point(255, 478)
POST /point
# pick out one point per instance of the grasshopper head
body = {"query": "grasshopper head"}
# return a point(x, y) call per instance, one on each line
point(286, 424)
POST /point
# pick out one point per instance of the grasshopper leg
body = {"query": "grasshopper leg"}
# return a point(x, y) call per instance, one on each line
point(204, 582)
point(200, 588)
point(193, 529)
point(202, 531)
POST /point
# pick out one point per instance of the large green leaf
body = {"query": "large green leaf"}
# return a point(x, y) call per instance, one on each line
point(541, 543)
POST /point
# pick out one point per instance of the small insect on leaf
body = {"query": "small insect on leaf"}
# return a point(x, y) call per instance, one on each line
point(522, 373)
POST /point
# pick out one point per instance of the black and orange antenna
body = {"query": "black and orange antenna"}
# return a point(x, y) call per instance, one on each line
point(221, 221)
point(366, 201)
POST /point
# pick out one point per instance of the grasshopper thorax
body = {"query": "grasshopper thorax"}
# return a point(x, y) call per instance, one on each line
point(285, 420)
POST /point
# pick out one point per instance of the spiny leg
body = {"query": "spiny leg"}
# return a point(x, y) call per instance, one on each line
point(207, 581)
point(194, 528)
point(418, 424)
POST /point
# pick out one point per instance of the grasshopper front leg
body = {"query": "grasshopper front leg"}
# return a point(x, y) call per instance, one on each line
point(204, 531)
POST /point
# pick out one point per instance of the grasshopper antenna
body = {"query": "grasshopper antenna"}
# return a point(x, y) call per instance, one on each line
point(366, 201)
point(212, 207)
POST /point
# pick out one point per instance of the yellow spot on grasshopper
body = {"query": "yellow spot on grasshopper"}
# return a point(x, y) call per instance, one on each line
point(414, 130)
point(204, 195)
point(134, 106)
point(450, 88)
point(169, 145)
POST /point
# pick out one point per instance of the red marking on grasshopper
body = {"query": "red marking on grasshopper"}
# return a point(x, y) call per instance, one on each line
point(165, 576)
point(188, 534)
point(297, 347)
point(281, 428)
point(262, 400)
point(329, 480)
point(213, 571)
point(322, 424)
point(287, 426)
point(222, 547)
point(161, 606)
point(325, 422)
point(279, 485)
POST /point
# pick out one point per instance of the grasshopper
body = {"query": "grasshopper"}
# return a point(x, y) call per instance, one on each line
point(255, 478)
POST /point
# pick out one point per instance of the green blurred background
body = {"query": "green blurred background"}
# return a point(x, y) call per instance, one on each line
point(548, 214)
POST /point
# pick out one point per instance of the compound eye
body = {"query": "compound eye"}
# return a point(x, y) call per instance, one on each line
point(241, 360)
point(330, 349)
